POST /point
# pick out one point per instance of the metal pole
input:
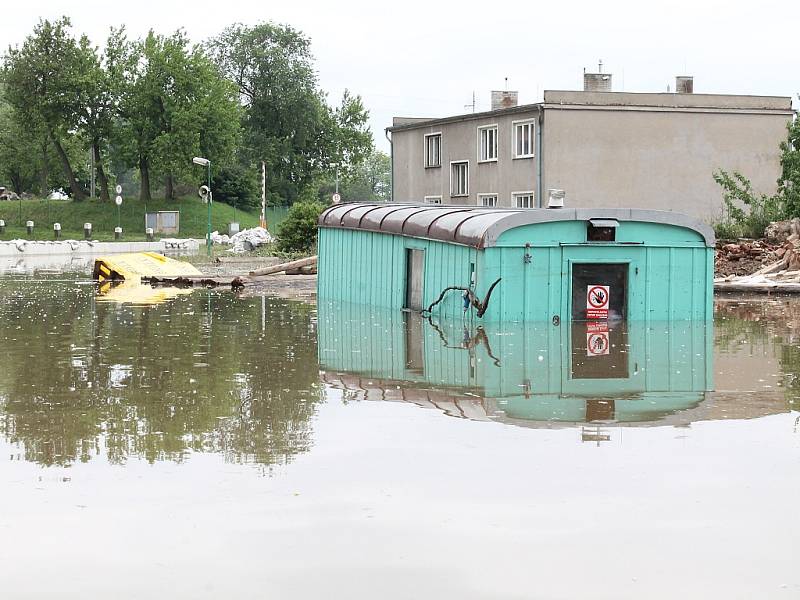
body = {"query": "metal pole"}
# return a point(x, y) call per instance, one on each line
point(337, 179)
point(263, 221)
point(91, 153)
point(208, 232)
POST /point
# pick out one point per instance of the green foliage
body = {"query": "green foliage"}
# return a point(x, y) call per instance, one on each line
point(176, 105)
point(298, 232)
point(151, 104)
point(44, 82)
point(789, 182)
point(237, 186)
point(746, 213)
point(287, 121)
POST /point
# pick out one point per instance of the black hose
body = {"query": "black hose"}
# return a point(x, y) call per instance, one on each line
point(480, 306)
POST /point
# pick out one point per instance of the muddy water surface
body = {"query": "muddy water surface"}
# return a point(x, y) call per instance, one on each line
point(210, 446)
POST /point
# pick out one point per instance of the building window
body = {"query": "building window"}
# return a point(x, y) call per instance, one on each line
point(487, 199)
point(459, 178)
point(524, 139)
point(433, 199)
point(523, 199)
point(487, 143)
point(433, 150)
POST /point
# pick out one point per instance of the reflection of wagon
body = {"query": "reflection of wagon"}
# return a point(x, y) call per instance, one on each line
point(654, 264)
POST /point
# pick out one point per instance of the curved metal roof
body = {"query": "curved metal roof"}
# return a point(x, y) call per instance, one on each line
point(480, 227)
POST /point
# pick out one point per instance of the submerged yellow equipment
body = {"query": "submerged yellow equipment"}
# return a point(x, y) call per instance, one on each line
point(133, 267)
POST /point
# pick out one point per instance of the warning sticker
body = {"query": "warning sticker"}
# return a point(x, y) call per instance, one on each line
point(597, 344)
point(597, 297)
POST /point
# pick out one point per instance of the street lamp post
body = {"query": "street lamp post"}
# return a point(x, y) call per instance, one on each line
point(204, 162)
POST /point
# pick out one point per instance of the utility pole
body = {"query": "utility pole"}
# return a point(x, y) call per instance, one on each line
point(263, 220)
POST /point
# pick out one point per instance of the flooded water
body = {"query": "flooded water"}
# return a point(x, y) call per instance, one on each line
point(210, 446)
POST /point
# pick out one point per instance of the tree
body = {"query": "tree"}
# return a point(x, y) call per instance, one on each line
point(789, 181)
point(19, 159)
point(43, 81)
point(371, 180)
point(748, 213)
point(298, 231)
point(175, 105)
point(288, 122)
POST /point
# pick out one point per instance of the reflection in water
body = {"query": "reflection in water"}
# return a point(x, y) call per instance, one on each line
point(210, 372)
point(132, 292)
point(537, 374)
point(82, 378)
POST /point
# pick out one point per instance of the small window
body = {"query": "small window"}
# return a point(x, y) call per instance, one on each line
point(487, 199)
point(459, 178)
point(433, 147)
point(487, 143)
point(524, 138)
point(523, 199)
point(433, 199)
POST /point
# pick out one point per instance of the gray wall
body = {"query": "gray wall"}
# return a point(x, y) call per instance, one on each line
point(412, 181)
point(660, 158)
point(610, 149)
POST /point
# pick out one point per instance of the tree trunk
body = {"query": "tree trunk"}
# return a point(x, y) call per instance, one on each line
point(101, 174)
point(77, 192)
point(16, 182)
point(169, 187)
point(144, 186)
point(44, 174)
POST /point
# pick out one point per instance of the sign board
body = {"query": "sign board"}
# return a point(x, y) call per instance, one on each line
point(597, 298)
point(337, 198)
point(118, 189)
point(597, 342)
point(118, 200)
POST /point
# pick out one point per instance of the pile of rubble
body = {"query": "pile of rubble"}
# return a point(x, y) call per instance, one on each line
point(743, 257)
point(245, 240)
point(762, 264)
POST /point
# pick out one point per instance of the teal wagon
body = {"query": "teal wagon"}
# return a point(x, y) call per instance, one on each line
point(545, 264)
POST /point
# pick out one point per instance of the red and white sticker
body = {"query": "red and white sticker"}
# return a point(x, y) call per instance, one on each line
point(597, 297)
point(597, 344)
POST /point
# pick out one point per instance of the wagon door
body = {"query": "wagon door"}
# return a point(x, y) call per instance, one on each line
point(415, 276)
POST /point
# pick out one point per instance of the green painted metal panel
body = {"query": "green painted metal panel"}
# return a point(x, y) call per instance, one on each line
point(670, 270)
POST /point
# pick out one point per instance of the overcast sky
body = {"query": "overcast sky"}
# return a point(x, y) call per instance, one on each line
point(423, 58)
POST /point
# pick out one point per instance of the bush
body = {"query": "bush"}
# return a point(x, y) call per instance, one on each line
point(236, 186)
point(298, 232)
point(746, 214)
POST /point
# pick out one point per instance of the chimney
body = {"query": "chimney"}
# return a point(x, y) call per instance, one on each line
point(684, 84)
point(504, 99)
point(597, 82)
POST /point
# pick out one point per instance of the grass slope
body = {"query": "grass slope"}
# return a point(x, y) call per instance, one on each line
point(103, 217)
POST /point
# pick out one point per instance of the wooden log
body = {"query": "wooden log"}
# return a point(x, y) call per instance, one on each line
point(295, 264)
point(760, 288)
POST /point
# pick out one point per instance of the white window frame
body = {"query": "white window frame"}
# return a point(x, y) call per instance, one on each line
point(433, 199)
point(496, 197)
point(515, 199)
point(480, 131)
point(466, 192)
point(522, 123)
point(425, 151)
